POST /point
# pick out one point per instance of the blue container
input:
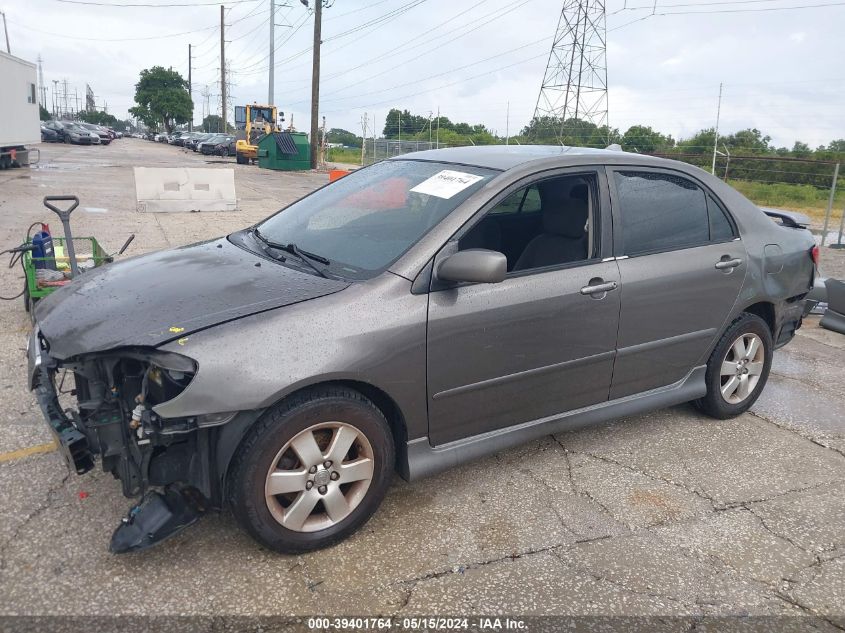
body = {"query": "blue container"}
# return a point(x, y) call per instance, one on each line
point(43, 255)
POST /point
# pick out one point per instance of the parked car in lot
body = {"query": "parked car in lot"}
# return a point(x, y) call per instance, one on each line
point(57, 127)
point(49, 135)
point(415, 314)
point(177, 138)
point(102, 133)
point(196, 139)
point(78, 135)
point(219, 145)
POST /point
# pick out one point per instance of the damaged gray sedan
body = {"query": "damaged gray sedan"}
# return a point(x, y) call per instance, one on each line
point(412, 316)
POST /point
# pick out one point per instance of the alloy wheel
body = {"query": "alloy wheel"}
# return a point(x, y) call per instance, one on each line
point(742, 367)
point(319, 477)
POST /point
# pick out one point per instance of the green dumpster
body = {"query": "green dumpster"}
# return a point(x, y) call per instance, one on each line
point(287, 151)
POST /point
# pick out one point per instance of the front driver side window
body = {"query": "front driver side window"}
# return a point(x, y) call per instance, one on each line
point(548, 223)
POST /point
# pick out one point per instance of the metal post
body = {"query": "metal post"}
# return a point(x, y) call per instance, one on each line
point(437, 140)
point(6, 31)
point(222, 68)
point(363, 137)
point(315, 83)
point(191, 121)
point(272, 70)
point(839, 243)
point(716, 140)
point(830, 202)
point(400, 128)
point(508, 124)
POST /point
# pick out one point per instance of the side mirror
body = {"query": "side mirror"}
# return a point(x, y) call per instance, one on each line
point(474, 265)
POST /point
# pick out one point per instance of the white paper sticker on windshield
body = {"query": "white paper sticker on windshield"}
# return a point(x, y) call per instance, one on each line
point(446, 183)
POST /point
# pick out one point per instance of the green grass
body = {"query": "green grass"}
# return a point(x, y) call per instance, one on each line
point(343, 155)
point(804, 198)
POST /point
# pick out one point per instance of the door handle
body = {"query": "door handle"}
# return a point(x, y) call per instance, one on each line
point(726, 264)
point(598, 288)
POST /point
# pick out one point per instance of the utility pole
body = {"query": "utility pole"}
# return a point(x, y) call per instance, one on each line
point(272, 71)
point(42, 91)
point(363, 136)
point(190, 93)
point(323, 144)
point(6, 31)
point(315, 82)
point(222, 68)
point(508, 124)
point(400, 130)
point(438, 128)
point(716, 140)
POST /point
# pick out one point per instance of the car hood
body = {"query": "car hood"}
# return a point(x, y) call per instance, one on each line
point(152, 299)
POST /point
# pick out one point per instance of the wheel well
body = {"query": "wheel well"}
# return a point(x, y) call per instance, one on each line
point(382, 401)
point(385, 404)
point(230, 437)
point(765, 311)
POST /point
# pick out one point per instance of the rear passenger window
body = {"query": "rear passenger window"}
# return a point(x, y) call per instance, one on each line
point(721, 229)
point(660, 212)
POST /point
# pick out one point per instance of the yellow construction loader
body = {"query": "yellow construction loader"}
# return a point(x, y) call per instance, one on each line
point(252, 122)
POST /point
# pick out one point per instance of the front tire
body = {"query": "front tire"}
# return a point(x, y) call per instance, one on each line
point(738, 368)
point(312, 470)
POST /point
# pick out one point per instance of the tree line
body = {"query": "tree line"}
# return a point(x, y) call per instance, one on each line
point(743, 155)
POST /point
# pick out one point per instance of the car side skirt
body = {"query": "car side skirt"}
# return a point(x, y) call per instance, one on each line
point(423, 459)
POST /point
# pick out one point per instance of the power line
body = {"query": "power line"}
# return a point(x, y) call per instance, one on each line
point(135, 5)
point(120, 39)
point(245, 70)
point(651, 7)
point(720, 11)
point(440, 87)
point(378, 21)
point(433, 49)
point(759, 10)
point(446, 72)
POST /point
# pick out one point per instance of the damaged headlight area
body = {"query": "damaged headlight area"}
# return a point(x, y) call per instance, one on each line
point(104, 404)
point(116, 394)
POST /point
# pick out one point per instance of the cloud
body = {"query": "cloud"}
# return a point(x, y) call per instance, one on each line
point(663, 71)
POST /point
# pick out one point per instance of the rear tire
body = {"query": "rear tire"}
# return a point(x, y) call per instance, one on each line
point(738, 368)
point(327, 492)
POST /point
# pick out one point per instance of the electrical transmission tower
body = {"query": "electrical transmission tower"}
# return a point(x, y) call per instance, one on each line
point(575, 81)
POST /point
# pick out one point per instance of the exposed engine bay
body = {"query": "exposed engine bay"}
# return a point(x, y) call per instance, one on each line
point(114, 395)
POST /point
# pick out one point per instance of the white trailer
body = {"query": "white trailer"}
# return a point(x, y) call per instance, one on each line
point(20, 124)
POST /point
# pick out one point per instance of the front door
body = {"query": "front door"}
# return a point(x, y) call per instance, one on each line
point(541, 342)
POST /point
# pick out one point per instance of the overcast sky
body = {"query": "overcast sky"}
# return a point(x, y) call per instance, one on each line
point(782, 69)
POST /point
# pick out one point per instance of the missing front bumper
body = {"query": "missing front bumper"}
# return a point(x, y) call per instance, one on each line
point(73, 445)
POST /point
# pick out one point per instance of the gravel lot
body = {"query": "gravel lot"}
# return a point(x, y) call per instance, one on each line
point(668, 514)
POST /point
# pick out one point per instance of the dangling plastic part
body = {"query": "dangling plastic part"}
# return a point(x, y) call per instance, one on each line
point(156, 518)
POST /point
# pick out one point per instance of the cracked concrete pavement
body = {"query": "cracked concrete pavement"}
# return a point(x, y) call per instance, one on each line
point(668, 513)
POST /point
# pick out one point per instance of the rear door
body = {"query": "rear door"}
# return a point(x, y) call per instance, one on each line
point(681, 264)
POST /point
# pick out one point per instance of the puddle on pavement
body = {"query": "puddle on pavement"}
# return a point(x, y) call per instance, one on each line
point(71, 166)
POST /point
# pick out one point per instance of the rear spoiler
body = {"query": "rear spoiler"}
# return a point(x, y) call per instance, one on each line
point(792, 219)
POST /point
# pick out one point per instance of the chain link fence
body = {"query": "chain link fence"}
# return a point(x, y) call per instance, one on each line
point(381, 148)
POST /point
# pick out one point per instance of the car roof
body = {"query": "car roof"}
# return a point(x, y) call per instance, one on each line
point(504, 157)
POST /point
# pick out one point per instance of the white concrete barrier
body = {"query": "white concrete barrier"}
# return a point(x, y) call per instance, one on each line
point(184, 189)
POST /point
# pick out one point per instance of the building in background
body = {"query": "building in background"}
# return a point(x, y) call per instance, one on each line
point(19, 117)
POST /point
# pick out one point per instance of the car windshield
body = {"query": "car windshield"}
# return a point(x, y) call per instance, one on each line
point(365, 221)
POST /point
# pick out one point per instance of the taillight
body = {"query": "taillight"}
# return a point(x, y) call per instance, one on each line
point(814, 253)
